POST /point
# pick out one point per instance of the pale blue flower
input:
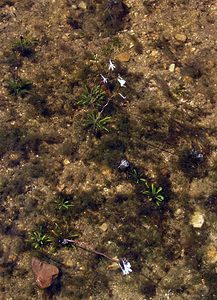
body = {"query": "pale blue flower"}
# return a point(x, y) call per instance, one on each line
point(121, 81)
point(104, 79)
point(64, 241)
point(124, 165)
point(125, 266)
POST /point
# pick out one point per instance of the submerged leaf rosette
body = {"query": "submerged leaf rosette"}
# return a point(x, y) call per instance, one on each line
point(39, 239)
point(153, 193)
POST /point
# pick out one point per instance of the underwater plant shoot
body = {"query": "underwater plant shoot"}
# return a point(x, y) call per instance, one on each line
point(108, 150)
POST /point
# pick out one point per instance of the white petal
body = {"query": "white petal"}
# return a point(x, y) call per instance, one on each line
point(121, 81)
point(125, 267)
point(111, 65)
point(104, 79)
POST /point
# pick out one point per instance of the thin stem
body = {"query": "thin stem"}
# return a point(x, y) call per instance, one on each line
point(87, 248)
point(106, 104)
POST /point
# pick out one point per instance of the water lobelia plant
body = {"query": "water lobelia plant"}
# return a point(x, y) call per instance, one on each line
point(99, 97)
point(24, 46)
point(153, 193)
point(97, 122)
point(135, 176)
point(39, 239)
point(95, 96)
point(62, 204)
point(19, 87)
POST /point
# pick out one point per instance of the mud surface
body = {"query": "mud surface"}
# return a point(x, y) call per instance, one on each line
point(164, 125)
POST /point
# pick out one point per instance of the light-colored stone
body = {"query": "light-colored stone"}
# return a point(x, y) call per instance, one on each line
point(66, 162)
point(172, 68)
point(123, 57)
point(15, 156)
point(179, 213)
point(104, 227)
point(211, 254)
point(180, 37)
point(154, 53)
point(82, 5)
point(197, 219)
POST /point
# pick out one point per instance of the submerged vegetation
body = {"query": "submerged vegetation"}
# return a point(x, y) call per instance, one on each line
point(62, 204)
point(97, 122)
point(153, 193)
point(24, 46)
point(39, 239)
point(19, 87)
point(92, 96)
point(112, 150)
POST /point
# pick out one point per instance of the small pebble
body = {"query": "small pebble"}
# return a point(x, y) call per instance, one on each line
point(123, 57)
point(66, 162)
point(82, 5)
point(211, 254)
point(104, 227)
point(172, 68)
point(197, 220)
point(181, 37)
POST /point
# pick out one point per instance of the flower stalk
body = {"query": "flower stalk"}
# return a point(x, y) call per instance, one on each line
point(87, 248)
point(123, 263)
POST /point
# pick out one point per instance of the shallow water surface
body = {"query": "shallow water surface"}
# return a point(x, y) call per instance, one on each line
point(108, 139)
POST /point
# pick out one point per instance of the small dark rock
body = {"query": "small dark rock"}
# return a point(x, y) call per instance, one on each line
point(73, 23)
